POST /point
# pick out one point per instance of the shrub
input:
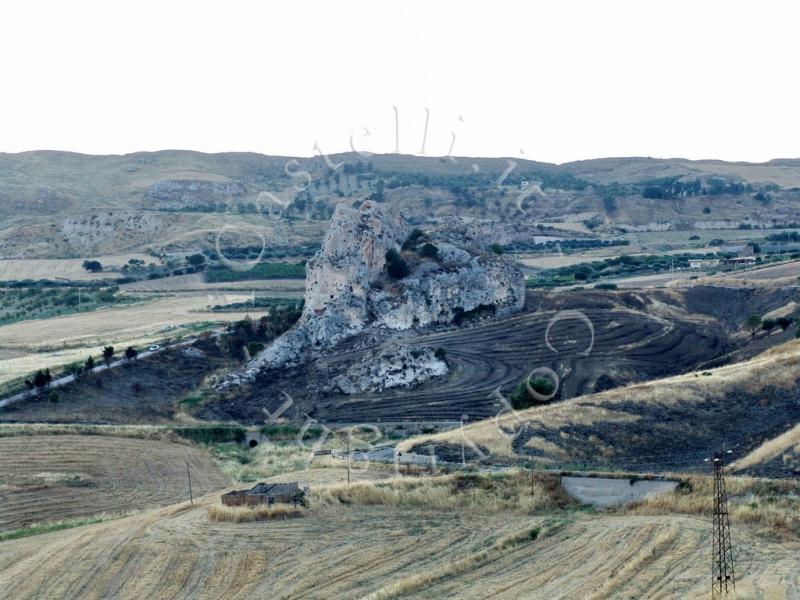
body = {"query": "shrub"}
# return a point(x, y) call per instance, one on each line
point(606, 286)
point(497, 249)
point(440, 353)
point(53, 396)
point(429, 251)
point(396, 266)
point(412, 238)
point(212, 434)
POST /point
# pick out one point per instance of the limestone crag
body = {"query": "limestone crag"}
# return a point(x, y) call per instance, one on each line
point(350, 286)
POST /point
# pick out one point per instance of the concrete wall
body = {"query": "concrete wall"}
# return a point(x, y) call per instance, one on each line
point(607, 491)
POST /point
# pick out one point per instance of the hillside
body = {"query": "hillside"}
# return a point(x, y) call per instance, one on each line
point(632, 336)
point(58, 204)
point(668, 424)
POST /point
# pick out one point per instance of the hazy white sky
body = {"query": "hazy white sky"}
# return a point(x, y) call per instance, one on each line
point(557, 80)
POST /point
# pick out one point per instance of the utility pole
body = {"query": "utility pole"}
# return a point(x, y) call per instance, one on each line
point(189, 473)
point(531, 474)
point(348, 457)
point(723, 581)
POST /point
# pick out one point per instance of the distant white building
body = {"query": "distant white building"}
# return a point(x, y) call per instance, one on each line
point(699, 263)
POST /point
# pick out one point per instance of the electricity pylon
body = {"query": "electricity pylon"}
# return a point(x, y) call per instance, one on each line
point(723, 583)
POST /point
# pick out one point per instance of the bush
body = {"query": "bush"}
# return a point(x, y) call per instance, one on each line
point(440, 353)
point(497, 249)
point(429, 251)
point(412, 238)
point(212, 434)
point(396, 266)
point(606, 286)
point(53, 396)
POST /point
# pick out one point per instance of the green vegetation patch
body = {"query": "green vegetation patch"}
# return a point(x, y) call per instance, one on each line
point(272, 270)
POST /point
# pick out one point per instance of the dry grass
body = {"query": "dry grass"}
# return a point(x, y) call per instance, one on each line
point(113, 325)
point(788, 442)
point(778, 367)
point(771, 505)
point(144, 432)
point(453, 568)
point(247, 514)
point(390, 548)
point(503, 492)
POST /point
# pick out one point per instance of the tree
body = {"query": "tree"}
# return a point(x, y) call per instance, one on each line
point(784, 323)
point(89, 364)
point(131, 353)
point(53, 396)
point(395, 265)
point(41, 379)
point(753, 322)
point(768, 325)
point(108, 354)
point(92, 266)
point(496, 248)
point(196, 260)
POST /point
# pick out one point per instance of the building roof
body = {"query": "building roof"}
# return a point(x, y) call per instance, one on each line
point(273, 489)
point(267, 489)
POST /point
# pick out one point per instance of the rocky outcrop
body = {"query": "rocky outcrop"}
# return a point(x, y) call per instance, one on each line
point(392, 367)
point(447, 274)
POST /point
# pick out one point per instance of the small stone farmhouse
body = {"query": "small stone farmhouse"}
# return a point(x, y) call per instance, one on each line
point(265, 493)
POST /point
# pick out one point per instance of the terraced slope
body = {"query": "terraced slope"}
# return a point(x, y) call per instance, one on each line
point(669, 424)
point(380, 552)
point(593, 340)
point(49, 478)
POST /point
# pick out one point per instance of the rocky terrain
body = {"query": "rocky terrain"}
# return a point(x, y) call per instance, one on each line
point(593, 340)
point(374, 272)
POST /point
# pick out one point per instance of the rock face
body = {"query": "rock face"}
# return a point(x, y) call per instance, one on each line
point(349, 288)
point(393, 367)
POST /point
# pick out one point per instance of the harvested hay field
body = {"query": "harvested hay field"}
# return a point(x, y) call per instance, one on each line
point(69, 268)
point(668, 424)
point(50, 478)
point(196, 282)
point(113, 325)
point(378, 551)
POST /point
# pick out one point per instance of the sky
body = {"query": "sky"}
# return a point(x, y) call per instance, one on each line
point(554, 81)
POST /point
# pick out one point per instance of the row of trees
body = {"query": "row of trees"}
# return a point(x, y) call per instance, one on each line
point(755, 324)
point(42, 378)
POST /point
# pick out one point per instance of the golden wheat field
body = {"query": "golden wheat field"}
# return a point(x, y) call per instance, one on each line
point(46, 478)
point(69, 268)
point(151, 317)
point(361, 542)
